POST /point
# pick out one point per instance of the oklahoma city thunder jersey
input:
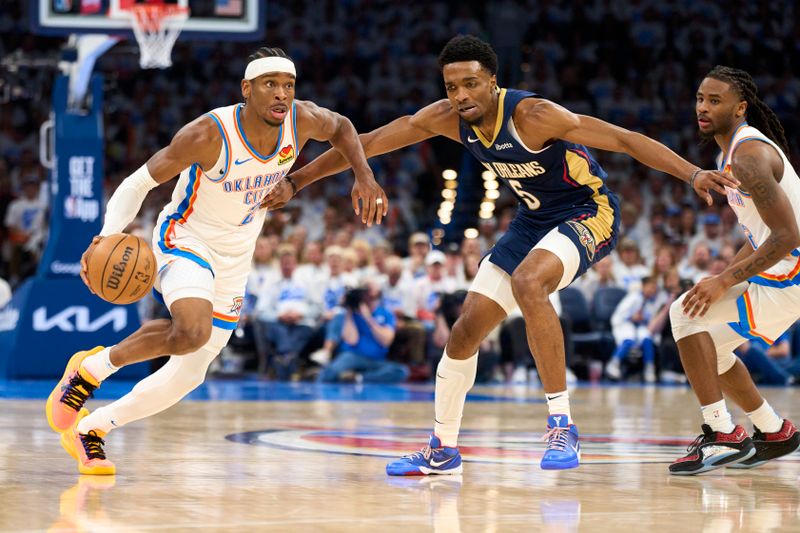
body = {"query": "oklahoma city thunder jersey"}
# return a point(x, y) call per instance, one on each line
point(786, 272)
point(220, 206)
point(558, 183)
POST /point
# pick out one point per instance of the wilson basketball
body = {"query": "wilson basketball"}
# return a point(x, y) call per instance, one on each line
point(121, 269)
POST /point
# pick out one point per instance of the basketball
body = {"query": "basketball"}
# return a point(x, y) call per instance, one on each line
point(121, 269)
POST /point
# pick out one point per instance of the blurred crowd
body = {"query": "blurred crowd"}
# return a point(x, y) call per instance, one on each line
point(374, 60)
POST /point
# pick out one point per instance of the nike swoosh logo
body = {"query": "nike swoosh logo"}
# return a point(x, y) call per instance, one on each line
point(438, 375)
point(237, 162)
point(438, 464)
point(470, 139)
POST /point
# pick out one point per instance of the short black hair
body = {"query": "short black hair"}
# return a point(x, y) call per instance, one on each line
point(469, 48)
point(266, 51)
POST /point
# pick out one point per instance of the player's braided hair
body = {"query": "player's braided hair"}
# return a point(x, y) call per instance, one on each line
point(759, 115)
point(266, 51)
point(468, 48)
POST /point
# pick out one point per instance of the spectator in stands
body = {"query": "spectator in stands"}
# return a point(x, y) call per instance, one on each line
point(429, 289)
point(313, 272)
point(633, 327)
point(419, 244)
point(338, 282)
point(696, 267)
point(629, 270)
point(362, 333)
point(600, 275)
point(664, 262)
point(285, 314)
point(767, 364)
point(24, 223)
point(671, 369)
point(711, 234)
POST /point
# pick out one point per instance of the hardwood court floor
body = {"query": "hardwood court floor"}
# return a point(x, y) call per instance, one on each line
point(318, 465)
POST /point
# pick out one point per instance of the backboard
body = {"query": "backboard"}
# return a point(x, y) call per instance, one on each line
point(236, 20)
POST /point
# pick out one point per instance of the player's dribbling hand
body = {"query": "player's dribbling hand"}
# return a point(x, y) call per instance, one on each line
point(707, 180)
point(85, 258)
point(278, 197)
point(374, 203)
point(702, 296)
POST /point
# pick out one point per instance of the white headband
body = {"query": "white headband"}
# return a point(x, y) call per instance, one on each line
point(260, 66)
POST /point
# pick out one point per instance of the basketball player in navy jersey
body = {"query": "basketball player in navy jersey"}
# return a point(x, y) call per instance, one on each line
point(567, 220)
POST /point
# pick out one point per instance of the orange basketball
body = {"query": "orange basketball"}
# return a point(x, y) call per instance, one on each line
point(121, 269)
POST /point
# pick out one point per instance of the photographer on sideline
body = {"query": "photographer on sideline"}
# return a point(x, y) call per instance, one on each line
point(363, 332)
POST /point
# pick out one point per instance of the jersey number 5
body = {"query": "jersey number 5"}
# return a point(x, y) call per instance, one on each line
point(530, 200)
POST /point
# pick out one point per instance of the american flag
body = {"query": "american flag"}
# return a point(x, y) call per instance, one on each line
point(231, 8)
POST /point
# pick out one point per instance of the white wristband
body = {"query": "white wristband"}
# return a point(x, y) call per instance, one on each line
point(126, 201)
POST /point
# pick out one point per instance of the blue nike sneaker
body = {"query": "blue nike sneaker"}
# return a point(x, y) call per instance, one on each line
point(563, 449)
point(432, 459)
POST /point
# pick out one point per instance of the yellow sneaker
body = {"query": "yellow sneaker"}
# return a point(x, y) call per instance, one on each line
point(87, 449)
point(75, 387)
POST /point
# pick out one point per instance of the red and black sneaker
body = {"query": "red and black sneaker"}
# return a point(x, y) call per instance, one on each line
point(770, 446)
point(714, 449)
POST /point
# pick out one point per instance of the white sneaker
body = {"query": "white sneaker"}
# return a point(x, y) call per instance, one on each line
point(613, 370)
point(650, 373)
point(520, 375)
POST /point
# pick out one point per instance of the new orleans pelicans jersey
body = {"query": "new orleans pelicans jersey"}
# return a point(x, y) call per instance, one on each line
point(221, 205)
point(786, 272)
point(558, 187)
point(557, 183)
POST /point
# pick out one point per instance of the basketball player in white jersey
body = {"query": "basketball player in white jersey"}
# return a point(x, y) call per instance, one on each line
point(757, 297)
point(228, 159)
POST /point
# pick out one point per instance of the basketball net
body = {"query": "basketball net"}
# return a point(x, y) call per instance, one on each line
point(156, 28)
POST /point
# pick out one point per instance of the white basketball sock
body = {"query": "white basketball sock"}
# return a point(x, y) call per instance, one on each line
point(99, 365)
point(454, 378)
point(766, 419)
point(158, 391)
point(717, 416)
point(558, 404)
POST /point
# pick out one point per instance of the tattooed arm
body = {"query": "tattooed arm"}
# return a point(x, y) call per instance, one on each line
point(759, 168)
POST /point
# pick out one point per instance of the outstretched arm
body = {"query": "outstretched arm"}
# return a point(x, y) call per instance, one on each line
point(555, 122)
point(759, 168)
point(323, 124)
point(435, 119)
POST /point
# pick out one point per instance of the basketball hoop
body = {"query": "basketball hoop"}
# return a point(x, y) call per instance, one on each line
point(156, 28)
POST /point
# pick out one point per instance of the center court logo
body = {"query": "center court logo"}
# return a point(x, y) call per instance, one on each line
point(475, 446)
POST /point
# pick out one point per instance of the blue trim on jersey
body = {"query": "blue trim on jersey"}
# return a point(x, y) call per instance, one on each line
point(744, 327)
point(178, 217)
point(225, 147)
point(294, 130)
point(221, 324)
point(755, 280)
point(247, 143)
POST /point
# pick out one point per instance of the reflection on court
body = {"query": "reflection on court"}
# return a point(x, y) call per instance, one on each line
point(319, 465)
